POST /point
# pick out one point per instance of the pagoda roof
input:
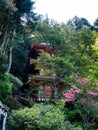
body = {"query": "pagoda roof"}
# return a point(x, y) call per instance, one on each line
point(40, 46)
point(44, 47)
point(43, 79)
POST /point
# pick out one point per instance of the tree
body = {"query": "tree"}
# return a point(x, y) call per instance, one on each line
point(96, 22)
point(20, 51)
point(26, 21)
point(13, 28)
point(13, 23)
point(75, 46)
point(77, 23)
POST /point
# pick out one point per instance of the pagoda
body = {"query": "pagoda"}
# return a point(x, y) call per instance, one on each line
point(42, 83)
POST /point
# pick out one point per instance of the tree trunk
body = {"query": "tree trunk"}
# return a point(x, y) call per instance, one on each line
point(10, 53)
point(4, 41)
point(3, 35)
point(4, 122)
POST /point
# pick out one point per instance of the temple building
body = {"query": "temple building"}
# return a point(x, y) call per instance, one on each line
point(42, 86)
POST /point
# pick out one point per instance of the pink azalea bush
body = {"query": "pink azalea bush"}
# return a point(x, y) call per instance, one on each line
point(90, 92)
point(74, 90)
point(70, 94)
point(96, 104)
point(83, 81)
point(84, 96)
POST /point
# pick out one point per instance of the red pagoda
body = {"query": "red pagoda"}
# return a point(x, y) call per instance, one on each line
point(42, 83)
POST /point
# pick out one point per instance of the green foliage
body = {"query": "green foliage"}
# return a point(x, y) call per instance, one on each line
point(18, 18)
point(12, 103)
point(84, 107)
point(78, 128)
point(5, 87)
point(3, 63)
point(20, 51)
point(87, 37)
point(84, 114)
point(74, 46)
point(88, 113)
point(40, 117)
point(57, 65)
point(63, 68)
point(15, 82)
point(72, 115)
point(96, 22)
point(77, 23)
point(26, 5)
point(46, 63)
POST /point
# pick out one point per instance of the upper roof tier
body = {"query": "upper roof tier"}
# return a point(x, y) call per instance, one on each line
point(36, 49)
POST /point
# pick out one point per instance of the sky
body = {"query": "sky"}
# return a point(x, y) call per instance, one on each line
point(63, 10)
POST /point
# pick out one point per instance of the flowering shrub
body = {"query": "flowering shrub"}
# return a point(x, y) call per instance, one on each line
point(70, 94)
point(90, 92)
point(83, 81)
point(80, 88)
point(84, 97)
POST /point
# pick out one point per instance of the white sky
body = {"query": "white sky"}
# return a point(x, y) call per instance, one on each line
point(63, 10)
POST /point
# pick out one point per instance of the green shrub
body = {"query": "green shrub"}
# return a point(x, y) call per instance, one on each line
point(72, 115)
point(78, 128)
point(39, 117)
point(5, 87)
